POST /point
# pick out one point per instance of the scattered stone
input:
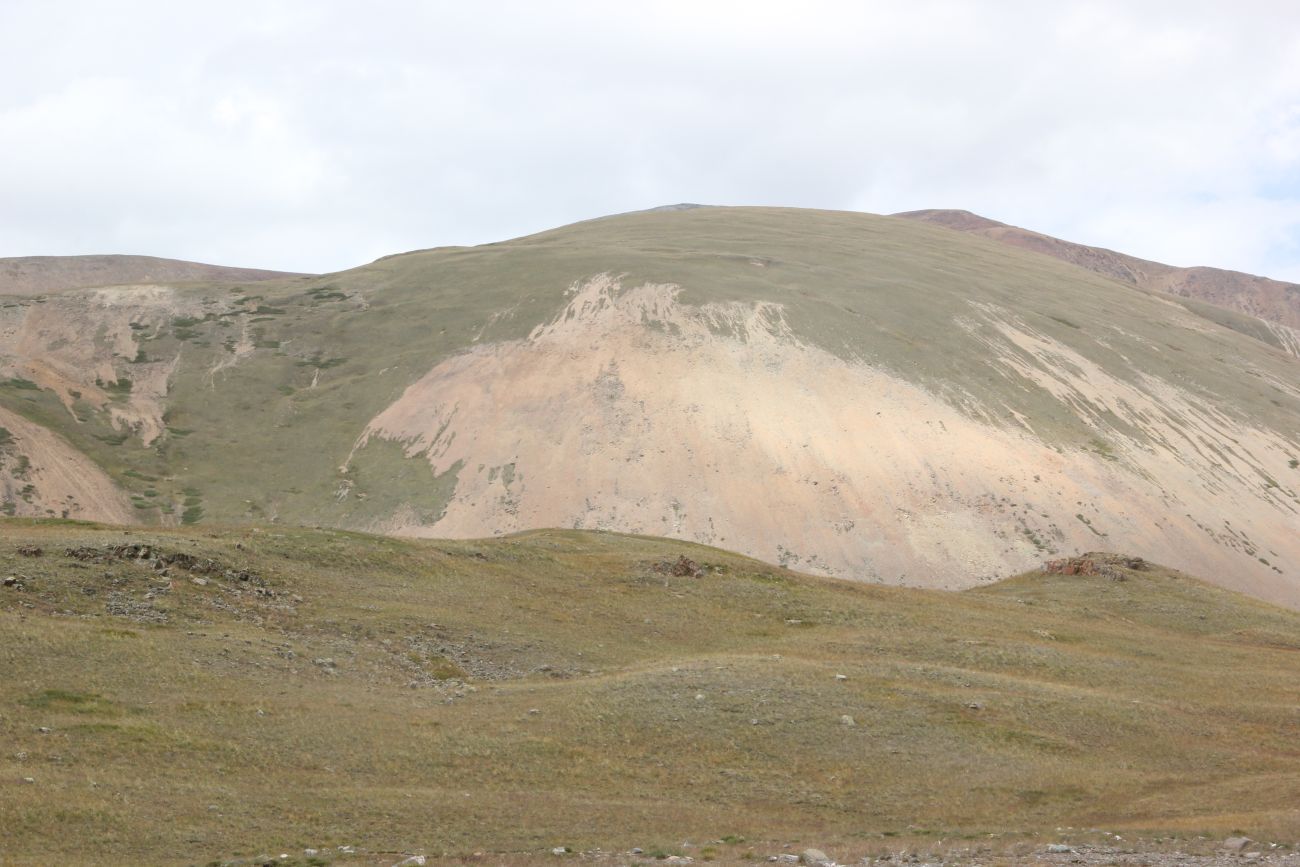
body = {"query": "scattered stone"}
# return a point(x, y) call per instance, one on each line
point(699, 696)
point(1236, 844)
point(841, 677)
point(310, 852)
point(202, 582)
point(846, 720)
point(161, 560)
point(1110, 566)
point(45, 730)
point(1059, 849)
point(636, 850)
point(685, 567)
point(560, 850)
point(786, 858)
point(532, 711)
point(14, 582)
point(413, 861)
point(815, 857)
point(324, 662)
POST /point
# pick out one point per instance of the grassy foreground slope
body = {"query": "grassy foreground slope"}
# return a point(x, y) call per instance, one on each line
point(320, 688)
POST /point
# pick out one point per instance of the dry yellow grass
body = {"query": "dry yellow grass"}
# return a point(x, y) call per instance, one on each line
point(558, 689)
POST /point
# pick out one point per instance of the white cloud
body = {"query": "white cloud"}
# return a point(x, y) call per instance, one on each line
point(316, 135)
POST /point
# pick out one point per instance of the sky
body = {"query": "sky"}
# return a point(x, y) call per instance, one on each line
point(317, 135)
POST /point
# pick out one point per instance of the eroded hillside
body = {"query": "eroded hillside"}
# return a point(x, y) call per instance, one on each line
point(848, 394)
point(717, 423)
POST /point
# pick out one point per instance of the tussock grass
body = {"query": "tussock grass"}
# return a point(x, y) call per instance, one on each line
point(553, 688)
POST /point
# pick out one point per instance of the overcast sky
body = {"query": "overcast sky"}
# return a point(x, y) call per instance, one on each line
point(319, 135)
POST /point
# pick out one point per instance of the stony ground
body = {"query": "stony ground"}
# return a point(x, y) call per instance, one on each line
point(1233, 852)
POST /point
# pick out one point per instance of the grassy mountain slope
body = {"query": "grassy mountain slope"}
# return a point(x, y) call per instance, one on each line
point(1273, 301)
point(838, 392)
point(36, 275)
point(318, 688)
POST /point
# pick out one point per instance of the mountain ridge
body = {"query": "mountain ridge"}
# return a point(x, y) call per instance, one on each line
point(35, 275)
point(843, 393)
point(1274, 301)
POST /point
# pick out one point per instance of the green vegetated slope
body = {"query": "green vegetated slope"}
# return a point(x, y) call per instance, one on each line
point(1112, 417)
point(1276, 302)
point(182, 696)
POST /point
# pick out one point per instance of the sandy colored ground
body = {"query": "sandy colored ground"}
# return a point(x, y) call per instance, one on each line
point(80, 346)
point(635, 412)
point(56, 480)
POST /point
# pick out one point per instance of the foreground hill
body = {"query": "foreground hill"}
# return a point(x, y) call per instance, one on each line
point(841, 393)
point(184, 696)
point(1273, 301)
point(37, 275)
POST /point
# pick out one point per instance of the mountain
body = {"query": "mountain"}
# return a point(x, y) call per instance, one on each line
point(36, 275)
point(200, 695)
point(841, 393)
point(1274, 302)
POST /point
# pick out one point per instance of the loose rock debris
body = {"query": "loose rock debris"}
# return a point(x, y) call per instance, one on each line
point(162, 561)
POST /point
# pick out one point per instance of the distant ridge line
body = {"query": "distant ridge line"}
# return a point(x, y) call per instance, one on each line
point(39, 275)
point(1274, 301)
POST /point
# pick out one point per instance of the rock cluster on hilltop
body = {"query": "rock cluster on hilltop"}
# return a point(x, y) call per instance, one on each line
point(1111, 566)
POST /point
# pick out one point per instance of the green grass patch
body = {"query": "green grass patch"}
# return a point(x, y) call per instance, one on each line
point(68, 701)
